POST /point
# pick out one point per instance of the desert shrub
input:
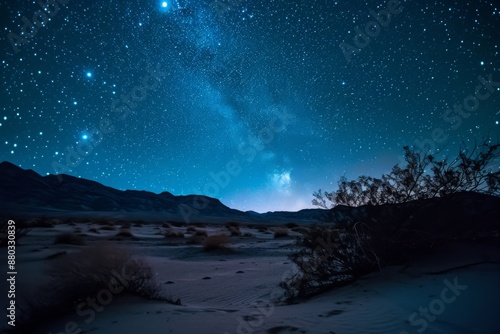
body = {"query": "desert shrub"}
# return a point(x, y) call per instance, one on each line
point(422, 177)
point(21, 229)
point(43, 222)
point(280, 232)
point(104, 222)
point(173, 234)
point(233, 224)
point(191, 229)
point(138, 223)
point(329, 258)
point(166, 225)
point(85, 274)
point(291, 225)
point(68, 221)
point(215, 242)
point(68, 238)
point(126, 225)
point(235, 231)
point(300, 229)
point(200, 233)
point(93, 229)
point(124, 233)
point(176, 224)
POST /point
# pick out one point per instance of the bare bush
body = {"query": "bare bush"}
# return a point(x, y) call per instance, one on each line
point(235, 231)
point(173, 234)
point(124, 233)
point(422, 177)
point(68, 238)
point(280, 232)
point(215, 242)
point(93, 229)
point(21, 229)
point(43, 222)
point(329, 258)
point(81, 275)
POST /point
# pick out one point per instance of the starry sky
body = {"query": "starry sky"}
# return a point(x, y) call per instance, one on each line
point(256, 102)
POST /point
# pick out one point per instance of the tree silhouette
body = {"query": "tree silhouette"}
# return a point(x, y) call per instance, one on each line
point(422, 177)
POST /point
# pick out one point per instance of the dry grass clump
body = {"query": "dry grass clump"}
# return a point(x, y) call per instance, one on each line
point(173, 234)
point(124, 233)
point(21, 230)
point(138, 223)
point(104, 222)
point(300, 229)
point(93, 229)
point(88, 273)
point(107, 228)
point(200, 233)
point(68, 238)
point(215, 242)
point(280, 232)
point(43, 222)
point(235, 231)
point(126, 225)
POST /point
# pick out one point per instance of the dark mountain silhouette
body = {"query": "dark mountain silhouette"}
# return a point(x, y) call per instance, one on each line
point(26, 193)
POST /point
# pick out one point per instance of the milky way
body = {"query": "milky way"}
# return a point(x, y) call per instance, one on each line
point(257, 103)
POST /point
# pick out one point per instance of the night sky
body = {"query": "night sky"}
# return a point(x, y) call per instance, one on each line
point(274, 99)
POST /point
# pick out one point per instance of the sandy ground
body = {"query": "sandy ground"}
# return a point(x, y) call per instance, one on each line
point(454, 291)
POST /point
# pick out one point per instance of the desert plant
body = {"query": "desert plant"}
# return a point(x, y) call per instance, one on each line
point(104, 222)
point(422, 177)
point(235, 231)
point(124, 233)
point(68, 238)
point(21, 229)
point(200, 233)
point(43, 222)
point(75, 277)
point(329, 258)
point(280, 232)
point(300, 229)
point(233, 224)
point(215, 242)
point(93, 229)
point(107, 228)
point(173, 234)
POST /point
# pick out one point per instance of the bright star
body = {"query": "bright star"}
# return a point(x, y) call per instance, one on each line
point(164, 6)
point(89, 74)
point(85, 137)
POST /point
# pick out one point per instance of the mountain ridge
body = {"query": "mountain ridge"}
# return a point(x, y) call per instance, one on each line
point(24, 191)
